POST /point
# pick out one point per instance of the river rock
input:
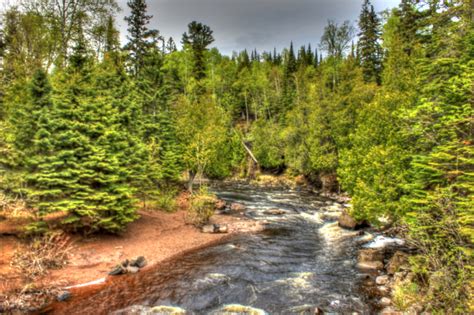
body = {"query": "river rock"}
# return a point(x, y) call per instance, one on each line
point(139, 262)
point(370, 255)
point(132, 269)
point(398, 260)
point(384, 290)
point(382, 280)
point(370, 265)
point(118, 270)
point(237, 207)
point(385, 301)
point(63, 296)
point(221, 228)
point(221, 204)
point(348, 222)
point(208, 228)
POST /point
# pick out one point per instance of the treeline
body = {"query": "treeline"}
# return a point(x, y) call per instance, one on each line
point(89, 128)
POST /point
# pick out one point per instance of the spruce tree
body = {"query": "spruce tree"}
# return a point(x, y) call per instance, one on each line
point(140, 38)
point(171, 46)
point(368, 45)
point(198, 38)
point(76, 167)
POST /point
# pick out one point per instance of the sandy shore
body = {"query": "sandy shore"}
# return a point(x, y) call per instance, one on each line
point(156, 235)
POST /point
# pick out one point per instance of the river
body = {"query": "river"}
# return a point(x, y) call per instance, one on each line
point(302, 260)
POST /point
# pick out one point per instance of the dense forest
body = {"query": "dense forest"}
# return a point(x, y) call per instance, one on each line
point(382, 109)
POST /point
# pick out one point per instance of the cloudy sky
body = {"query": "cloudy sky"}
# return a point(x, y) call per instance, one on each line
point(261, 24)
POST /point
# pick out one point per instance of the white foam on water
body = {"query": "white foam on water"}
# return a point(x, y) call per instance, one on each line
point(381, 241)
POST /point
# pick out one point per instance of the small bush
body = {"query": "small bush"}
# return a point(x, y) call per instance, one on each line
point(201, 208)
point(405, 295)
point(163, 199)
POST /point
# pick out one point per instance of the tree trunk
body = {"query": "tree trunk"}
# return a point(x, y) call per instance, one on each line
point(192, 176)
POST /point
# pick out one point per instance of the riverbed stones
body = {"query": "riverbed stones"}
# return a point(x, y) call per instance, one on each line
point(215, 228)
point(384, 290)
point(132, 269)
point(385, 301)
point(139, 262)
point(208, 228)
point(369, 254)
point(129, 266)
point(370, 259)
point(382, 280)
point(370, 265)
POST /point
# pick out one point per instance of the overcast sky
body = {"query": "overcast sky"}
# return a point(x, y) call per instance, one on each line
point(261, 24)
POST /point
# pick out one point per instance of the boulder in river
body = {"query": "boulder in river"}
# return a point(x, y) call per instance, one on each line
point(346, 221)
point(237, 207)
point(220, 204)
point(369, 254)
point(370, 259)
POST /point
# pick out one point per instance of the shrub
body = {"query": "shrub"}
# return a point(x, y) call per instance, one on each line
point(202, 206)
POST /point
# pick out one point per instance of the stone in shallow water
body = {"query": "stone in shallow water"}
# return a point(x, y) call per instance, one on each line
point(370, 265)
point(370, 255)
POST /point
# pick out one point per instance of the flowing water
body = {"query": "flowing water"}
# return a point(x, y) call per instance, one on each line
point(301, 260)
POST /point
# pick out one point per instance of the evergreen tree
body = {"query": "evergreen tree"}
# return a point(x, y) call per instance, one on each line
point(171, 46)
point(198, 38)
point(140, 38)
point(75, 168)
point(369, 47)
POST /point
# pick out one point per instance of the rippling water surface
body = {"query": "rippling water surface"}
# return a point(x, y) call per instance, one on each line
point(302, 260)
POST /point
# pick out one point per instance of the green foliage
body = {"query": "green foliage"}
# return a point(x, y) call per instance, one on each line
point(202, 207)
point(115, 126)
point(268, 146)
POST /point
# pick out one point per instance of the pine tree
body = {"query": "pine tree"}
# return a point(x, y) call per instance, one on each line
point(141, 38)
point(112, 41)
point(75, 168)
point(368, 45)
point(198, 38)
point(171, 46)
